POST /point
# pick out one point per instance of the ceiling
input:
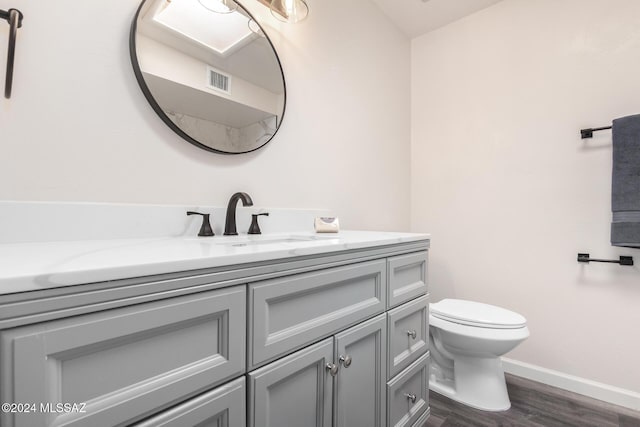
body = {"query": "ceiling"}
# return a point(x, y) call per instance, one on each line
point(416, 17)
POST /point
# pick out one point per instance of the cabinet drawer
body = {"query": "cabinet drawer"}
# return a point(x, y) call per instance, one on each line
point(408, 394)
point(291, 312)
point(408, 334)
point(423, 418)
point(222, 407)
point(125, 363)
point(407, 277)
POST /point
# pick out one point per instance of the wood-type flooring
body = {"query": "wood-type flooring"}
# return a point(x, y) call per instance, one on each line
point(533, 405)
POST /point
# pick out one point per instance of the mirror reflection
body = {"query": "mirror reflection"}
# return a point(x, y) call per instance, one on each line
point(210, 72)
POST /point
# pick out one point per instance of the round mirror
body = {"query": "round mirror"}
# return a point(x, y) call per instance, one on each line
point(209, 71)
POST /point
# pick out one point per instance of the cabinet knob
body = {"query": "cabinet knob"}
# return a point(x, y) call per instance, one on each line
point(332, 368)
point(411, 397)
point(413, 334)
point(345, 360)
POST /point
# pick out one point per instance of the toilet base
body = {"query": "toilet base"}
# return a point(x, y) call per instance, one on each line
point(478, 383)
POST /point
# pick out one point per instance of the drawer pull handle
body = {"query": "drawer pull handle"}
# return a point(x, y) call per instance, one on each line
point(332, 368)
point(411, 397)
point(413, 334)
point(345, 360)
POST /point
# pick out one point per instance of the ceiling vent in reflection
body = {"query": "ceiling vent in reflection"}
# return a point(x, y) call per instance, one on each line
point(218, 80)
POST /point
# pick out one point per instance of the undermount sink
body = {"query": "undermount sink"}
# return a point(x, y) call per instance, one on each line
point(268, 240)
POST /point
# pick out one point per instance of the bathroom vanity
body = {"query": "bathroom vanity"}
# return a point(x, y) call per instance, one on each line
point(273, 330)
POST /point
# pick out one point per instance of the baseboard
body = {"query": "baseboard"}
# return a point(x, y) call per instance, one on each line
point(615, 395)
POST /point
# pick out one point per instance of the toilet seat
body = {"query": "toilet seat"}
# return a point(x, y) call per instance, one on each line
point(477, 314)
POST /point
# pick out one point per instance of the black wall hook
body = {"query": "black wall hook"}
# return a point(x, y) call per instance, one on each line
point(588, 133)
point(624, 260)
point(14, 18)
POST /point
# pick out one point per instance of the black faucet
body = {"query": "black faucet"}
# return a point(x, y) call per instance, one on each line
point(230, 223)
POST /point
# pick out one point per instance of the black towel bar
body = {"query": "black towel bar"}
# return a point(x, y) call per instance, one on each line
point(624, 260)
point(588, 133)
point(14, 18)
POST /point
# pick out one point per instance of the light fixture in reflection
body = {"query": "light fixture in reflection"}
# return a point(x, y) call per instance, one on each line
point(219, 6)
point(290, 11)
point(255, 28)
point(187, 18)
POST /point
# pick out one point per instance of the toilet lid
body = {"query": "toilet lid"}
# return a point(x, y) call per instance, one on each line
point(476, 314)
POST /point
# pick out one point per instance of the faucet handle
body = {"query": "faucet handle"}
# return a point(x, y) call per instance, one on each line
point(205, 228)
point(254, 228)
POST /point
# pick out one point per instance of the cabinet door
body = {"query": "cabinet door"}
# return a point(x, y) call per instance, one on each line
point(361, 381)
point(294, 391)
point(124, 364)
point(222, 407)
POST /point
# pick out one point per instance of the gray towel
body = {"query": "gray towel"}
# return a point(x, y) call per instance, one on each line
point(625, 191)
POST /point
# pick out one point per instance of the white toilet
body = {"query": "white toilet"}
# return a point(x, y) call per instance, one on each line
point(466, 341)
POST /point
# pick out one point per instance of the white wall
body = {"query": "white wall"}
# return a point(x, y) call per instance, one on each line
point(510, 192)
point(79, 129)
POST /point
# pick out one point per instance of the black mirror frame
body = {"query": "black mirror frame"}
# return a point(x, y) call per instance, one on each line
point(154, 104)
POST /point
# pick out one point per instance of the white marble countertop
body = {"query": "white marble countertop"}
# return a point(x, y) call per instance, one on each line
point(36, 266)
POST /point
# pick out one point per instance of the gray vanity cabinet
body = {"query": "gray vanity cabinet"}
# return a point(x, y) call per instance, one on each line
point(349, 375)
point(337, 339)
point(343, 375)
